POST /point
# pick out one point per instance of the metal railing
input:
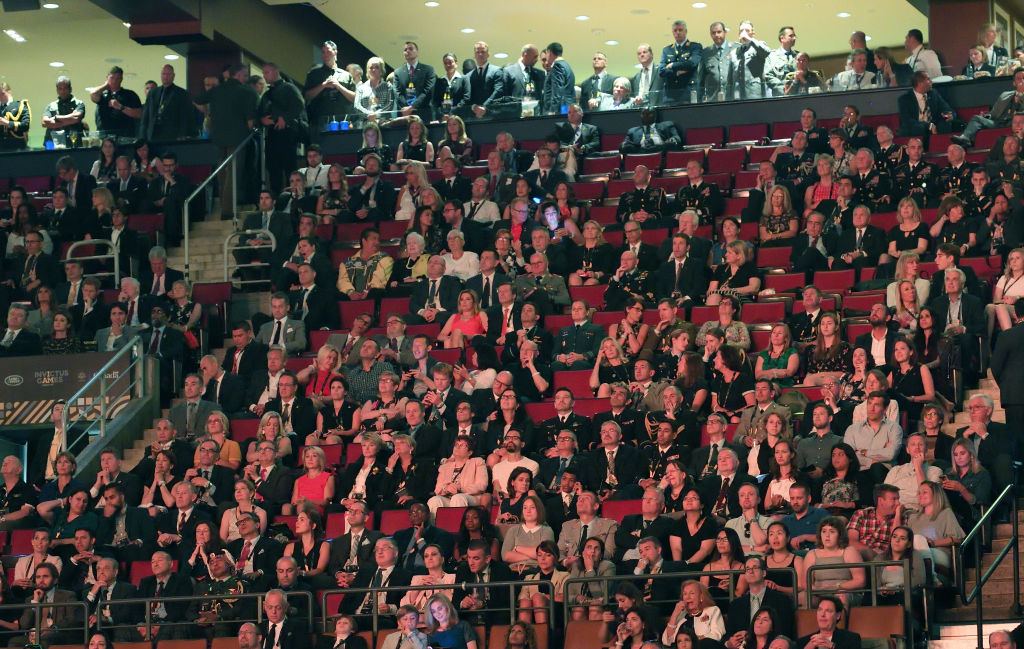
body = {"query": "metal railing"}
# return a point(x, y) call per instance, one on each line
point(147, 602)
point(973, 543)
point(37, 615)
point(234, 193)
point(113, 254)
point(871, 570)
point(512, 586)
point(133, 381)
point(232, 244)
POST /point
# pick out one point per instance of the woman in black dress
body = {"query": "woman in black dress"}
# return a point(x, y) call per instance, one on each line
point(610, 366)
point(373, 142)
point(592, 262)
point(460, 146)
point(952, 227)
point(693, 539)
point(338, 419)
point(780, 558)
point(62, 339)
point(415, 147)
point(737, 276)
point(309, 549)
point(732, 389)
point(910, 235)
point(829, 355)
point(911, 381)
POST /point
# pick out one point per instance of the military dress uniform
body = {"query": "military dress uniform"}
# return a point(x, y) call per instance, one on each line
point(919, 182)
point(872, 188)
point(214, 605)
point(550, 294)
point(15, 135)
point(636, 283)
point(683, 56)
point(649, 199)
point(580, 426)
point(795, 168)
point(657, 460)
point(978, 207)
point(1008, 172)
point(890, 157)
point(706, 200)
point(956, 181)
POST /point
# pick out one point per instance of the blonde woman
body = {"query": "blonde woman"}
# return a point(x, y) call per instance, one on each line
point(375, 97)
point(908, 309)
point(780, 362)
point(935, 524)
point(315, 486)
point(409, 195)
point(907, 268)
point(318, 374)
point(1008, 289)
point(910, 234)
point(271, 429)
point(592, 261)
point(779, 223)
point(218, 428)
point(245, 491)
point(737, 275)
point(695, 604)
point(825, 188)
point(468, 321)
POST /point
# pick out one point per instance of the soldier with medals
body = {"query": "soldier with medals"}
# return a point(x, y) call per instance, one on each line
point(214, 604)
point(629, 282)
point(916, 178)
point(664, 450)
point(644, 204)
point(15, 119)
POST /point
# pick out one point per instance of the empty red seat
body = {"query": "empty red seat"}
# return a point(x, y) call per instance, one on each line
point(781, 282)
point(650, 160)
point(671, 184)
point(707, 136)
point(784, 130)
point(614, 238)
point(589, 407)
point(734, 206)
point(986, 138)
point(148, 223)
point(603, 214)
point(616, 188)
point(593, 191)
point(678, 159)
point(594, 295)
point(475, 171)
point(539, 411)
point(763, 312)
point(389, 305)
point(760, 339)
point(861, 302)
point(350, 309)
point(576, 380)
point(392, 520)
point(243, 430)
point(334, 526)
point(619, 509)
point(35, 184)
point(611, 142)
point(600, 165)
point(838, 281)
point(21, 541)
point(554, 323)
point(854, 330)
point(287, 520)
point(747, 132)
point(701, 314)
point(195, 173)
point(726, 160)
point(745, 179)
point(758, 154)
point(773, 257)
point(449, 518)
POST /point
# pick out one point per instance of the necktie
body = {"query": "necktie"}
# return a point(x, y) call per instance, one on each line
point(305, 307)
point(432, 293)
point(563, 463)
point(349, 344)
point(679, 272)
point(8, 338)
point(286, 415)
point(583, 539)
point(190, 419)
point(154, 346)
point(611, 464)
point(860, 239)
point(238, 359)
point(473, 207)
point(353, 554)
point(486, 298)
point(271, 637)
point(378, 578)
point(543, 176)
point(276, 338)
point(645, 81)
point(159, 593)
point(181, 522)
point(158, 285)
point(394, 344)
point(814, 242)
point(73, 294)
point(505, 321)
point(30, 267)
point(412, 70)
point(713, 458)
point(723, 496)
point(263, 474)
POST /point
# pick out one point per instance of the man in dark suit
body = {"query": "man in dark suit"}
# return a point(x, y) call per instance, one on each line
point(67, 620)
point(962, 316)
point(646, 254)
point(374, 199)
point(646, 83)
point(386, 573)
point(811, 249)
point(221, 387)
point(412, 541)
point(69, 292)
point(155, 277)
point(111, 473)
point(486, 283)
point(682, 279)
point(127, 532)
point(247, 357)
point(452, 185)
point(545, 177)
point(313, 304)
point(486, 83)
point(273, 483)
point(213, 483)
point(298, 414)
point(680, 61)
point(474, 234)
point(560, 83)
point(79, 186)
point(758, 595)
point(947, 257)
point(879, 319)
point(861, 245)
point(829, 617)
point(599, 85)
point(651, 136)
point(181, 452)
point(1007, 105)
point(255, 555)
point(166, 195)
point(127, 189)
point(1008, 366)
point(523, 79)
point(16, 340)
point(280, 630)
point(131, 244)
point(61, 221)
point(90, 314)
point(354, 549)
point(189, 416)
point(922, 110)
point(27, 272)
point(720, 490)
point(267, 218)
point(414, 82)
point(651, 521)
point(583, 139)
point(165, 343)
point(168, 113)
point(480, 569)
point(617, 466)
point(176, 528)
point(166, 582)
point(657, 593)
point(435, 296)
point(705, 460)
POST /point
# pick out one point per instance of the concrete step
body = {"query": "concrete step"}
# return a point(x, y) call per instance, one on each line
point(954, 631)
point(994, 608)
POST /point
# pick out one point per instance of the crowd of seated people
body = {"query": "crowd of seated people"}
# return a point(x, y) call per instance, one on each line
point(461, 397)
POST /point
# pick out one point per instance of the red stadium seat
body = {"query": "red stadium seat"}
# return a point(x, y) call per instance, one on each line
point(593, 191)
point(614, 238)
point(21, 541)
point(296, 364)
point(747, 132)
point(607, 318)
point(287, 520)
point(449, 518)
point(885, 220)
point(707, 136)
point(616, 188)
point(429, 330)
point(605, 215)
point(486, 148)
point(243, 430)
point(836, 281)
point(734, 206)
point(987, 138)
point(593, 165)
point(827, 304)
point(701, 314)
point(861, 303)
point(392, 520)
point(576, 380)
point(671, 184)
point(555, 322)
point(758, 154)
point(589, 407)
point(784, 282)
point(678, 159)
point(760, 339)
point(325, 231)
point(332, 453)
point(35, 184)
point(618, 509)
point(763, 312)
point(148, 223)
point(195, 173)
point(854, 330)
point(334, 526)
point(784, 130)
point(748, 231)
point(745, 180)
point(474, 171)
point(350, 309)
point(539, 411)
point(141, 569)
point(318, 338)
point(610, 143)
point(434, 175)
point(650, 160)
point(773, 257)
point(594, 295)
point(450, 356)
point(388, 305)
point(726, 160)
point(392, 229)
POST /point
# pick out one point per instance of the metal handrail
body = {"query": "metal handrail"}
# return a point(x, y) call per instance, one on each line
point(38, 607)
point(112, 255)
point(974, 539)
point(229, 263)
point(136, 374)
point(871, 586)
point(465, 585)
point(234, 192)
point(148, 601)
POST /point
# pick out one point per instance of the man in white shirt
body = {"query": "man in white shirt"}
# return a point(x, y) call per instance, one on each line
point(264, 388)
point(479, 208)
point(315, 172)
point(909, 476)
point(857, 77)
point(512, 445)
point(921, 59)
point(130, 296)
point(408, 635)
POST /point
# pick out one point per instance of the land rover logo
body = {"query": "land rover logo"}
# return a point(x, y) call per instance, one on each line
point(14, 380)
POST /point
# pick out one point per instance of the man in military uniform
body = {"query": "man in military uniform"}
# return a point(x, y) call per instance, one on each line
point(576, 345)
point(714, 64)
point(329, 90)
point(685, 429)
point(890, 154)
point(873, 186)
point(678, 67)
point(619, 411)
point(565, 419)
point(702, 197)
point(643, 204)
point(817, 136)
point(1008, 168)
point(980, 196)
point(747, 65)
point(665, 449)
point(15, 118)
point(915, 177)
point(858, 134)
point(214, 608)
point(781, 62)
point(955, 178)
point(629, 282)
point(545, 291)
point(795, 161)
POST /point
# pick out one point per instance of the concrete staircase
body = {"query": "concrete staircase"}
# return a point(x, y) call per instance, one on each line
point(964, 636)
point(206, 250)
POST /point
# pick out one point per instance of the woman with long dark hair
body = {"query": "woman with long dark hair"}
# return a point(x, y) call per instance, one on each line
point(829, 355)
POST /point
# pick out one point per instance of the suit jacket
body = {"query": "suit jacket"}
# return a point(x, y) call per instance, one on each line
point(167, 115)
point(752, 416)
point(146, 279)
point(667, 131)
point(341, 550)
point(654, 91)
point(692, 281)
point(629, 465)
point(47, 269)
point(137, 521)
point(431, 535)
point(293, 633)
point(178, 585)
point(84, 184)
point(252, 362)
point(559, 87)
point(590, 136)
point(322, 308)
point(972, 313)
point(461, 188)
point(874, 244)
point(87, 324)
point(711, 485)
point(603, 528)
point(458, 94)
point(593, 87)
point(423, 88)
point(168, 523)
point(294, 334)
point(383, 193)
point(801, 248)
point(864, 341)
point(27, 343)
point(280, 226)
point(546, 188)
point(678, 67)
point(65, 617)
point(171, 345)
point(486, 85)
point(399, 577)
point(630, 532)
point(476, 283)
point(103, 334)
point(910, 122)
point(448, 288)
point(714, 70)
point(230, 393)
point(132, 196)
point(179, 416)
point(497, 598)
point(1008, 365)
point(938, 282)
point(276, 489)
point(302, 416)
point(700, 457)
point(263, 555)
point(739, 612)
point(132, 246)
point(514, 83)
point(476, 234)
point(841, 639)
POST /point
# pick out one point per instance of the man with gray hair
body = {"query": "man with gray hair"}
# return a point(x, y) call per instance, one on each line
point(221, 387)
point(62, 118)
point(281, 630)
point(1002, 640)
point(540, 287)
point(991, 441)
point(248, 636)
point(680, 61)
point(20, 499)
point(157, 279)
point(634, 528)
point(435, 296)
